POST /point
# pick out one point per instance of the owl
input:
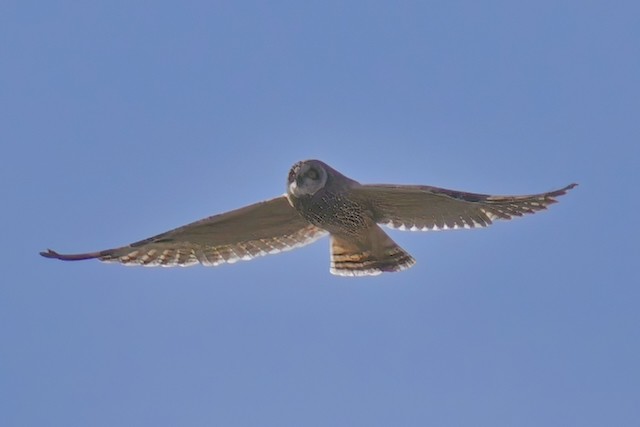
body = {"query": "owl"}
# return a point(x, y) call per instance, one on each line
point(321, 201)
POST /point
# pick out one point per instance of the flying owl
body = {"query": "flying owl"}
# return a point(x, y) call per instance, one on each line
point(320, 201)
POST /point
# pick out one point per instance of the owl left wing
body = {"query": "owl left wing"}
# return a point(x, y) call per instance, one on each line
point(263, 228)
point(414, 207)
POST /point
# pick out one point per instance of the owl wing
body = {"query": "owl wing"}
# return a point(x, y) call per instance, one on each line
point(413, 207)
point(263, 228)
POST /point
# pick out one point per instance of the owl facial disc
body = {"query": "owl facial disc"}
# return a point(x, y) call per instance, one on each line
point(306, 178)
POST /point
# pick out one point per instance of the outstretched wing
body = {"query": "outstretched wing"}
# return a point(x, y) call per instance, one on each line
point(263, 228)
point(413, 207)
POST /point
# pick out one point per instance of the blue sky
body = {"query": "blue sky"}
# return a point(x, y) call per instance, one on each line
point(120, 120)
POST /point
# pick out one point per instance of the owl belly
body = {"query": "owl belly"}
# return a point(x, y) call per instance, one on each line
point(334, 213)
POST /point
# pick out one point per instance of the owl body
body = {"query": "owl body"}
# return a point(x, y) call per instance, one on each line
point(320, 201)
point(322, 196)
point(333, 212)
point(331, 201)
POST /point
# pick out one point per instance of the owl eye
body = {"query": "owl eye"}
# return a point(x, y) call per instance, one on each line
point(312, 174)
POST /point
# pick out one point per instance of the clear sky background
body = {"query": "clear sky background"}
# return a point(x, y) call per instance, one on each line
point(123, 119)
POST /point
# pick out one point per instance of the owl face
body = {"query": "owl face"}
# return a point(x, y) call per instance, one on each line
point(306, 178)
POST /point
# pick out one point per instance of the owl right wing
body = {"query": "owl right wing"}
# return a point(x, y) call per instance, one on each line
point(414, 207)
point(263, 228)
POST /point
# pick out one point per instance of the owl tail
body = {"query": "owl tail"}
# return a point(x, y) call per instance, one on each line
point(367, 255)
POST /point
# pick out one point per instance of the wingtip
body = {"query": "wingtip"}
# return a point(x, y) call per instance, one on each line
point(562, 191)
point(50, 254)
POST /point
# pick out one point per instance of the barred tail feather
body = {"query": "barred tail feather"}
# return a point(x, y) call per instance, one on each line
point(373, 256)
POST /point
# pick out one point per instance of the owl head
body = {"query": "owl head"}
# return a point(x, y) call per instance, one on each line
point(308, 177)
